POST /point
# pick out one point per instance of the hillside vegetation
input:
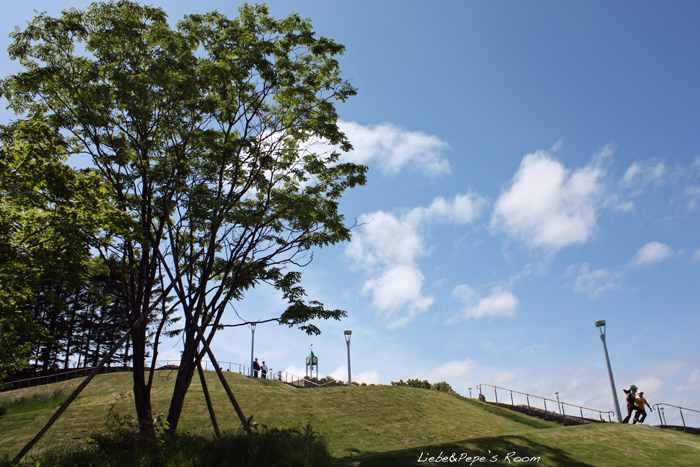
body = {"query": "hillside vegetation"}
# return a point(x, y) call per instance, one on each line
point(364, 426)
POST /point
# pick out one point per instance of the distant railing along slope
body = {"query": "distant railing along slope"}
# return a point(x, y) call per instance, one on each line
point(662, 417)
point(58, 375)
point(563, 416)
point(65, 375)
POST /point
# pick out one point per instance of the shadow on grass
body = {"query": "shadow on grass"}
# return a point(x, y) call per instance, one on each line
point(502, 450)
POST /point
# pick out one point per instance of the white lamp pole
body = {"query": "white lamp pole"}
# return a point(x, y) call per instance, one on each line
point(600, 324)
point(252, 348)
point(347, 339)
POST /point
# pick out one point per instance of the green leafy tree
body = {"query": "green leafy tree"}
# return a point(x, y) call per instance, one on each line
point(49, 218)
point(205, 135)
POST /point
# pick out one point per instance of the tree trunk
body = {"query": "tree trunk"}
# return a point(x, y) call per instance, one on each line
point(183, 380)
point(142, 393)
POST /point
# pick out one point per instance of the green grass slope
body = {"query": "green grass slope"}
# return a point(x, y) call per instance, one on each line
point(366, 426)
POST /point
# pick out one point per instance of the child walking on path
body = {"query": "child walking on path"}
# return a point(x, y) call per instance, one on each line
point(641, 401)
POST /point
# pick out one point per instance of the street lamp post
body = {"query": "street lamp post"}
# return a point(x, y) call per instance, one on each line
point(600, 324)
point(252, 348)
point(348, 333)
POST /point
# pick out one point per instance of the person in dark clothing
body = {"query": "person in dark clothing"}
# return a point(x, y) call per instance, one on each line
point(631, 402)
point(256, 368)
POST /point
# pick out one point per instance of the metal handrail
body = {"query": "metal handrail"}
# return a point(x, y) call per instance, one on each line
point(559, 404)
point(677, 407)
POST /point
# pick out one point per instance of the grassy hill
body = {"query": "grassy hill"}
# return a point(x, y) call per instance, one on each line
point(365, 426)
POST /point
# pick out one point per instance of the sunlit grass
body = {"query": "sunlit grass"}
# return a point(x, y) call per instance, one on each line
point(366, 426)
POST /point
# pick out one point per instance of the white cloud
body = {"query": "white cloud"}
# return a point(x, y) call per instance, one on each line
point(388, 247)
point(369, 377)
point(341, 374)
point(652, 252)
point(595, 283)
point(453, 371)
point(294, 370)
point(642, 173)
point(692, 383)
point(503, 376)
point(550, 206)
point(395, 149)
point(384, 239)
point(649, 384)
point(666, 367)
point(501, 303)
point(693, 194)
point(534, 348)
point(462, 209)
point(397, 293)
point(696, 256)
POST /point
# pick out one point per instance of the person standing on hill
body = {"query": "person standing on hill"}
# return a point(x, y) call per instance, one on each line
point(256, 368)
point(641, 401)
point(264, 370)
point(631, 402)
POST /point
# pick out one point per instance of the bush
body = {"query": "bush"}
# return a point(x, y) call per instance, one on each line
point(413, 383)
point(300, 446)
point(442, 386)
point(416, 383)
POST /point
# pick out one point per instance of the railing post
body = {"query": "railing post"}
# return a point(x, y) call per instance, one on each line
point(545, 409)
point(528, 404)
point(684, 428)
point(581, 410)
point(496, 394)
point(564, 413)
point(511, 400)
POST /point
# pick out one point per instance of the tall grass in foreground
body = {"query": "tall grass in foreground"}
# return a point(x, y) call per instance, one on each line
point(290, 447)
point(41, 401)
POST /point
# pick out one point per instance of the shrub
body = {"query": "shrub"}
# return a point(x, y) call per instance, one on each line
point(442, 386)
point(299, 446)
point(413, 383)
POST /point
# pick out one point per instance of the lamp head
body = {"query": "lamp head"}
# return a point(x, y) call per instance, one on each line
point(600, 324)
point(347, 335)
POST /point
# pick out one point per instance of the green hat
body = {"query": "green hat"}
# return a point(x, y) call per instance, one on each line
point(633, 387)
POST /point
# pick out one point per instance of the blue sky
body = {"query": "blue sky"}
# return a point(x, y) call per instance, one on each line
point(534, 167)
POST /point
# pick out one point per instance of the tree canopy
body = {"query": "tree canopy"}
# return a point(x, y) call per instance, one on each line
point(203, 137)
point(49, 217)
